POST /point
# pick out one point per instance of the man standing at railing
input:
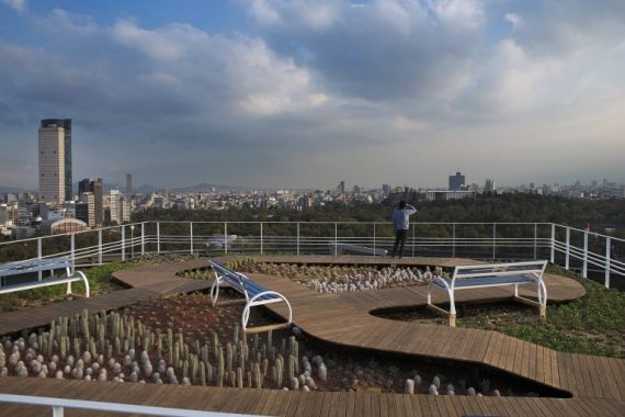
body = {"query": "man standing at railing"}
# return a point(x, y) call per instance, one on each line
point(401, 222)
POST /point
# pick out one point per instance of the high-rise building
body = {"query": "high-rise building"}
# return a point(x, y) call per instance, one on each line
point(52, 164)
point(489, 186)
point(456, 182)
point(96, 206)
point(129, 189)
point(386, 189)
point(55, 160)
point(86, 209)
point(115, 206)
point(341, 187)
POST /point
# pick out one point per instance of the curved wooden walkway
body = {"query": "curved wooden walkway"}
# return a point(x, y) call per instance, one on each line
point(596, 383)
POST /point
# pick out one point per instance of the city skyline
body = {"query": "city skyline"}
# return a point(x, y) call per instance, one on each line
point(268, 96)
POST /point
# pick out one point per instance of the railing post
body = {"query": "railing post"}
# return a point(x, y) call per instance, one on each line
point(552, 257)
point(453, 240)
point(72, 241)
point(99, 246)
point(261, 239)
point(374, 251)
point(494, 241)
point(413, 238)
point(336, 239)
point(39, 256)
point(123, 229)
point(158, 237)
point(608, 251)
point(298, 238)
point(57, 411)
point(585, 266)
point(226, 238)
point(535, 241)
point(142, 239)
point(191, 237)
point(567, 254)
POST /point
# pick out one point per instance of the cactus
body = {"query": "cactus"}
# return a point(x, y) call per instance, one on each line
point(436, 381)
point(258, 377)
point(294, 383)
point(471, 392)
point(291, 367)
point(202, 371)
point(220, 368)
point(239, 378)
point(229, 357)
point(433, 390)
point(409, 387)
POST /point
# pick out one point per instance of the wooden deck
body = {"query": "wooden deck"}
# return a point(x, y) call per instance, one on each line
point(597, 384)
point(298, 404)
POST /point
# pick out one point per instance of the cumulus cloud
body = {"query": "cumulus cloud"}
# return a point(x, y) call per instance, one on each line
point(391, 87)
point(17, 5)
point(515, 20)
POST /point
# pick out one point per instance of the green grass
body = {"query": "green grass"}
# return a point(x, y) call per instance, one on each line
point(99, 282)
point(593, 324)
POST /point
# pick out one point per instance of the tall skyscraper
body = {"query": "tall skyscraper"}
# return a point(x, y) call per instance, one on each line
point(456, 182)
point(341, 187)
point(55, 160)
point(94, 200)
point(129, 189)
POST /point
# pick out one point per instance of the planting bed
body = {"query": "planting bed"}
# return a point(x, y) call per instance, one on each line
point(183, 340)
point(332, 279)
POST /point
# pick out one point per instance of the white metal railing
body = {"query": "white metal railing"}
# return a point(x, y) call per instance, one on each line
point(58, 406)
point(569, 247)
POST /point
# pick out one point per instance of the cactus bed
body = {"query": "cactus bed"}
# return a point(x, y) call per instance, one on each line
point(332, 279)
point(183, 340)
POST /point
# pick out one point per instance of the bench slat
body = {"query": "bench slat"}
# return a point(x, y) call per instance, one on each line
point(492, 280)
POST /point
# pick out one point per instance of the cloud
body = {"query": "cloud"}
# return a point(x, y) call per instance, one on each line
point(515, 20)
point(17, 5)
point(312, 91)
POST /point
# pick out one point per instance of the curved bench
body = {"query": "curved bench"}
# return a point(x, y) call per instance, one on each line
point(31, 266)
point(255, 295)
point(492, 275)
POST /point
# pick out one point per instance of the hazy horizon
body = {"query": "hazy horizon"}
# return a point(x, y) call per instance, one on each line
point(303, 94)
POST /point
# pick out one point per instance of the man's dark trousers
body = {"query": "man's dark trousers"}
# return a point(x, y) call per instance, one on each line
point(400, 240)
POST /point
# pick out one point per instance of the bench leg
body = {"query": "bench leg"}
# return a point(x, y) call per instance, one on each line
point(452, 320)
point(69, 289)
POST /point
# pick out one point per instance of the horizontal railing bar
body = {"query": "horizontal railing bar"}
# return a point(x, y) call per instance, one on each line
point(112, 407)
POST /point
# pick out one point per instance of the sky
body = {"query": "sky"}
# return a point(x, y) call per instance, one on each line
point(305, 93)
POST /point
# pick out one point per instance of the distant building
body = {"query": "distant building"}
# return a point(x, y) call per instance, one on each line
point(115, 206)
point(86, 209)
point(489, 186)
point(437, 195)
point(129, 189)
point(96, 208)
point(456, 182)
point(4, 214)
point(67, 225)
point(341, 187)
point(386, 189)
point(55, 161)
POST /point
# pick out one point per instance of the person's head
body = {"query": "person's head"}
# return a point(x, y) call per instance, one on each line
point(402, 205)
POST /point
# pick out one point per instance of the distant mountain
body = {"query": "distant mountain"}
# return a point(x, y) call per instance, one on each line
point(6, 189)
point(205, 187)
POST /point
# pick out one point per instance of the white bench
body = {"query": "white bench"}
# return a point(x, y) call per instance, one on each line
point(492, 275)
point(32, 266)
point(254, 294)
